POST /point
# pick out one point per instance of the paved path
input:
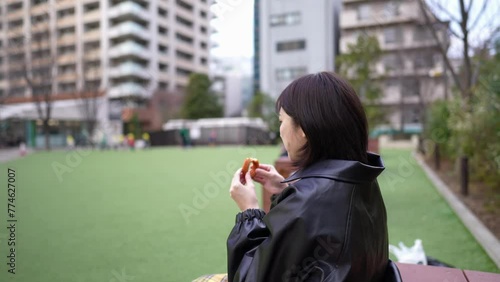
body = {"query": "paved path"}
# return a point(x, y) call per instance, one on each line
point(10, 154)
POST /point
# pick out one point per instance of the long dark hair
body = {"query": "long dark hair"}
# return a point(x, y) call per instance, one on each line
point(331, 115)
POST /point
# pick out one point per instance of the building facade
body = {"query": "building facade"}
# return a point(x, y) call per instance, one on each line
point(411, 72)
point(293, 38)
point(124, 49)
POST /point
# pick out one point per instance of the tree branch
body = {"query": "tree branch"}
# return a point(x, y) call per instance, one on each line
point(441, 48)
point(446, 11)
point(483, 8)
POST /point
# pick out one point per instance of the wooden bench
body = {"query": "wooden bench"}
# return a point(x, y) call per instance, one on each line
point(427, 273)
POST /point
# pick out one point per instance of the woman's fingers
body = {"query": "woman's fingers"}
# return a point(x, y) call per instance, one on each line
point(265, 167)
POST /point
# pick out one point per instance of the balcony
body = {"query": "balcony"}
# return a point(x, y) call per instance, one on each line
point(185, 47)
point(67, 39)
point(92, 16)
point(128, 9)
point(185, 64)
point(127, 89)
point(127, 29)
point(92, 35)
point(66, 59)
point(92, 55)
point(40, 9)
point(67, 77)
point(182, 80)
point(187, 31)
point(129, 48)
point(93, 73)
point(16, 14)
point(184, 13)
point(64, 4)
point(15, 31)
point(66, 21)
point(129, 69)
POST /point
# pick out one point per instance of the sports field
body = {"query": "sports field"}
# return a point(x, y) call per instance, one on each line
point(164, 214)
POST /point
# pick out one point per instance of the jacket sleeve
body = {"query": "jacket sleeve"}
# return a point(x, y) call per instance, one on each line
point(290, 242)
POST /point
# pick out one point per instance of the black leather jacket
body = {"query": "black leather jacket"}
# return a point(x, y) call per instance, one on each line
point(329, 225)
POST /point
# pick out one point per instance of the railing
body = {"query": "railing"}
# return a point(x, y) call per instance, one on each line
point(129, 28)
point(127, 89)
point(128, 8)
point(129, 48)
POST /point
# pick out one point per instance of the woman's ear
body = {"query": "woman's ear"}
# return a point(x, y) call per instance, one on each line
point(301, 132)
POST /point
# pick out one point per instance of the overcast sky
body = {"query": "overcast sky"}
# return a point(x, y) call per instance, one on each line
point(235, 28)
point(235, 25)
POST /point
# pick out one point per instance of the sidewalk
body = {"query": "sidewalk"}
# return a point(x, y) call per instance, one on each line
point(11, 154)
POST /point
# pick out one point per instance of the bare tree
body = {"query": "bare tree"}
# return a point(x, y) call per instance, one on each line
point(463, 23)
point(39, 69)
point(89, 95)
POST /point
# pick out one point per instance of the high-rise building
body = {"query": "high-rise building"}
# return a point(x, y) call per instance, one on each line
point(125, 49)
point(293, 38)
point(411, 70)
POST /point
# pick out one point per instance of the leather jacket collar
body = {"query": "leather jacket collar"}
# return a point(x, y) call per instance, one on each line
point(343, 170)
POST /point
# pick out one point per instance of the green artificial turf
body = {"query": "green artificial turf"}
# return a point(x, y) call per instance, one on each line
point(164, 214)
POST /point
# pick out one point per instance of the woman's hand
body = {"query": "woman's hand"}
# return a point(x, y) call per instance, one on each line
point(243, 195)
point(270, 179)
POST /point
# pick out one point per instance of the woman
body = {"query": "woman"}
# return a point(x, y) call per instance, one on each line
point(327, 221)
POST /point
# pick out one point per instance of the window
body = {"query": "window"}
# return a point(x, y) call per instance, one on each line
point(184, 38)
point(66, 50)
point(43, 18)
point(91, 7)
point(421, 33)
point(66, 13)
point(393, 35)
point(14, 7)
point(291, 45)
point(423, 60)
point(203, 29)
point(66, 31)
point(183, 21)
point(391, 9)
point(91, 26)
point(203, 14)
point(393, 62)
point(184, 5)
point(203, 45)
point(163, 67)
point(162, 30)
point(182, 72)
point(163, 85)
point(285, 19)
point(66, 69)
point(15, 24)
point(286, 74)
point(36, 2)
point(203, 61)
point(17, 91)
point(410, 87)
point(183, 55)
point(92, 84)
point(162, 12)
point(90, 46)
point(163, 49)
point(363, 12)
point(67, 87)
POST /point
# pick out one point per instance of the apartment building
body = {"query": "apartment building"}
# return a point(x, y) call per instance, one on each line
point(293, 38)
point(125, 49)
point(411, 72)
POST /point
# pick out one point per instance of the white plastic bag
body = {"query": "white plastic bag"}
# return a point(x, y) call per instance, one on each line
point(414, 254)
